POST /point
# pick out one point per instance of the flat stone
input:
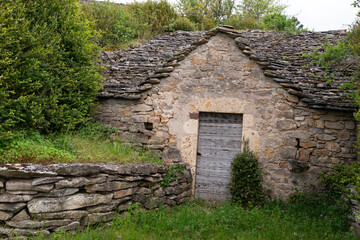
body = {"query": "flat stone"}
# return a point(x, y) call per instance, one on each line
point(304, 154)
point(107, 207)
point(169, 190)
point(46, 180)
point(333, 146)
point(26, 185)
point(142, 108)
point(350, 125)
point(124, 206)
point(132, 178)
point(99, 179)
point(153, 179)
point(288, 152)
point(100, 217)
point(343, 135)
point(334, 125)
point(325, 137)
point(159, 193)
point(9, 198)
point(307, 144)
point(76, 215)
point(21, 216)
point(38, 224)
point(124, 193)
point(25, 171)
point(5, 215)
point(23, 232)
point(72, 183)
point(110, 186)
point(285, 125)
point(59, 192)
point(75, 169)
point(144, 191)
point(22, 192)
point(42, 205)
point(69, 227)
point(12, 207)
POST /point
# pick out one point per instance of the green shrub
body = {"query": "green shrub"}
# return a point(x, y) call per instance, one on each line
point(240, 22)
point(343, 176)
point(151, 17)
point(47, 71)
point(111, 21)
point(280, 22)
point(182, 23)
point(246, 179)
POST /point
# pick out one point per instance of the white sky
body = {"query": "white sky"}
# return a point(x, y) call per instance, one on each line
point(318, 15)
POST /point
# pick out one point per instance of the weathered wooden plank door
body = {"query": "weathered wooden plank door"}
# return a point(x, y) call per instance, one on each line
point(218, 141)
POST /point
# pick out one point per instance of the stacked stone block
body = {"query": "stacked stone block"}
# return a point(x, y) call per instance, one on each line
point(39, 199)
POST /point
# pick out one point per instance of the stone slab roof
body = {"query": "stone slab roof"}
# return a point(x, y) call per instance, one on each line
point(129, 73)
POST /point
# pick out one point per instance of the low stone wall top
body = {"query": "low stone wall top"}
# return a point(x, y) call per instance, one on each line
point(37, 199)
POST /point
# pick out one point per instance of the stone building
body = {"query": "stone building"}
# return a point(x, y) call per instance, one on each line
point(194, 96)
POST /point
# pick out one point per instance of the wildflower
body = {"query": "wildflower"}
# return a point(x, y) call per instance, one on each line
point(325, 217)
point(321, 215)
point(187, 228)
point(119, 236)
point(259, 227)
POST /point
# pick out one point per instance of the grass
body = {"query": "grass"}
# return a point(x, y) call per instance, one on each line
point(92, 143)
point(303, 218)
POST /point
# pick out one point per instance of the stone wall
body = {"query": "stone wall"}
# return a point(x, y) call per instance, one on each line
point(294, 142)
point(39, 199)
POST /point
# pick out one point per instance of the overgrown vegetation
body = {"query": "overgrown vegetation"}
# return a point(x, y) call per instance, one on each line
point(48, 79)
point(171, 175)
point(343, 177)
point(246, 179)
point(304, 217)
point(93, 142)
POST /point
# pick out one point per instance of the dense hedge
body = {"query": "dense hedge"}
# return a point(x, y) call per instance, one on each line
point(48, 79)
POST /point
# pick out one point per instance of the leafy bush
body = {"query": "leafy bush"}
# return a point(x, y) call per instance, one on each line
point(246, 179)
point(151, 17)
point(182, 23)
point(343, 176)
point(48, 79)
point(111, 21)
point(238, 21)
point(281, 22)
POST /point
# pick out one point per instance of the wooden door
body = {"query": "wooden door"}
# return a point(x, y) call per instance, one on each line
point(218, 142)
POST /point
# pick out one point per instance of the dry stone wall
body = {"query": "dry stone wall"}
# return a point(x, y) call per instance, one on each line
point(294, 142)
point(39, 199)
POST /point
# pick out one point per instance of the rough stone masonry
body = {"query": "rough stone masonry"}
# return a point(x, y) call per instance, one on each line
point(298, 124)
point(38, 199)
